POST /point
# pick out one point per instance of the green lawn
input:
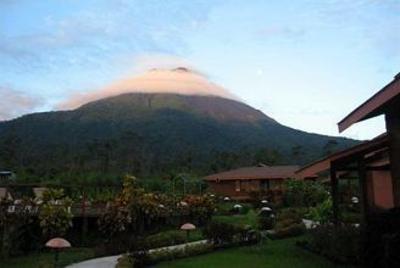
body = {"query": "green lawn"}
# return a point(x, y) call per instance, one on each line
point(278, 253)
point(244, 219)
point(46, 259)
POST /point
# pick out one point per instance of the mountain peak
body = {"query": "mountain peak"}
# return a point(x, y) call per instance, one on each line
point(143, 104)
point(180, 80)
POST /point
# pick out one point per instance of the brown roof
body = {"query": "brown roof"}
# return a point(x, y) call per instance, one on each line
point(323, 164)
point(374, 106)
point(247, 173)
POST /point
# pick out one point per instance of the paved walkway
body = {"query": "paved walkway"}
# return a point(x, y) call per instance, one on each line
point(106, 262)
point(110, 262)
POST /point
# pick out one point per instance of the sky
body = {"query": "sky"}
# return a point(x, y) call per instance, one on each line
point(306, 63)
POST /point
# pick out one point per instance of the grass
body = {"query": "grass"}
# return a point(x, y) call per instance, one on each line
point(243, 219)
point(46, 259)
point(279, 253)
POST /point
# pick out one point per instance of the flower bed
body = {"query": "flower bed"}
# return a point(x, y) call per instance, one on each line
point(219, 235)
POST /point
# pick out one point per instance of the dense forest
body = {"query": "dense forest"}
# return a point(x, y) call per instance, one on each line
point(154, 135)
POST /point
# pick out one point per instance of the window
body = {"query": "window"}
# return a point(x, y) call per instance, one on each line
point(265, 185)
point(237, 185)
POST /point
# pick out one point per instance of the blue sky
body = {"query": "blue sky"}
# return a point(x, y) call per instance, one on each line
point(305, 63)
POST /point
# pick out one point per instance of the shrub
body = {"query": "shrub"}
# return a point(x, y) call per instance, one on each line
point(350, 217)
point(223, 234)
point(164, 239)
point(200, 208)
point(289, 214)
point(289, 231)
point(381, 239)
point(321, 213)
point(339, 243)
point(55, 215)
point(171, 254)
point(19, 231)
point(136, 259)
point(289, 223)
point(220, 233)
point(304, 193)
point(194, 250)
point(266, 223)
point(142, 258)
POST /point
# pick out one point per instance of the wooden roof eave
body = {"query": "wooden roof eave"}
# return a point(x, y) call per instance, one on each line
point(342, 156)
point(373, 106)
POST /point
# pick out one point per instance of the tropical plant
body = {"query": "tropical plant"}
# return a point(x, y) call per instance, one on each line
point(55, 216)
point(200, 208)
point(304, 193)
point(17, 227)
point(321, 213)
point(133, 210)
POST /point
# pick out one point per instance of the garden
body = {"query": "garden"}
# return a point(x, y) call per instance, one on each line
point(278, 226)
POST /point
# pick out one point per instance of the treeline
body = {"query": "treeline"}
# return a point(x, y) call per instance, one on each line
point(107, 160)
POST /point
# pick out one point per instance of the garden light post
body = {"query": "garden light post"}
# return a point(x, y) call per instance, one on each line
point(188, 227)
point(237, 208)
point(57, 244)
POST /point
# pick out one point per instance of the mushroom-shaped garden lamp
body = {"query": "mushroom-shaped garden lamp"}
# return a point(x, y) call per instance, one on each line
point(266, 209)
point(57, 244)
point(188, 227)
point(355, 200)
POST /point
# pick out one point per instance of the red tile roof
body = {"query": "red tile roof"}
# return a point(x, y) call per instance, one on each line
point(247, 173)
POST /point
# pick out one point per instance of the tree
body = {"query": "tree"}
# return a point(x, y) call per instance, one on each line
point(55, 214)
point(266, 156)
point(10, 148)
point(330, 147)
point(297, 153)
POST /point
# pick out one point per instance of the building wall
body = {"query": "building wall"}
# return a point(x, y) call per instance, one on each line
point(240, 189)
point(381, 192)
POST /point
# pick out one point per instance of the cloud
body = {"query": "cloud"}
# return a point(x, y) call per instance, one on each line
point(95, 33)
point(159, 74)
point(14, 103)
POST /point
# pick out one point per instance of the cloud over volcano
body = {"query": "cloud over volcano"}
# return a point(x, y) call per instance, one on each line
point(179, 80)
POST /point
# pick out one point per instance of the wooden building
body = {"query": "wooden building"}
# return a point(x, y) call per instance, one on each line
point(376, 166)
point(344, 165)
point(238, 183)
point(376, 163)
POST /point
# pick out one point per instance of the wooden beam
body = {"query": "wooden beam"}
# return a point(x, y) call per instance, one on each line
point(373, 106)
point(393, 129)
point(362, 172)
point(386, 167)
point(334, 193)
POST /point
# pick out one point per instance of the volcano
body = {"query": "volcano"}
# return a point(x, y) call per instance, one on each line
point(144, 127)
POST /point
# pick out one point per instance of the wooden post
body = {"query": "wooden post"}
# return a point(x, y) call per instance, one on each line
point(393, 130)
point(84, 217)
point(334, 193)
point(362, 173)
